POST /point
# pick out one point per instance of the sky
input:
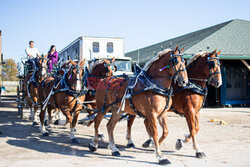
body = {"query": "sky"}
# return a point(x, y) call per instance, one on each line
point(139, 22)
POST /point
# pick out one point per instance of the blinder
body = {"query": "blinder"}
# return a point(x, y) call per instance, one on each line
point(106, 69)
point(211, 64)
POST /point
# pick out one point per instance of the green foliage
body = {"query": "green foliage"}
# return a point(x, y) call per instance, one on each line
point(9, 70)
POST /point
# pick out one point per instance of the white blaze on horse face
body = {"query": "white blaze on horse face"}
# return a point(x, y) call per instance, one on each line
point(44, 72)
point(78, 83)
point(219, 78)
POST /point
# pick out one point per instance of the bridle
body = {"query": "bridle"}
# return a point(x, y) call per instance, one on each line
point(106, 67)
point(42, 66)
point(76, 79)
point(174, 60)
point(211, 64)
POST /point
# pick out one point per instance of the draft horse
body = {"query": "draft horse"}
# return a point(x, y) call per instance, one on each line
point(66, 93)
point(32, 86)
point(99, 70)
point(148, 94)
point(202, 68)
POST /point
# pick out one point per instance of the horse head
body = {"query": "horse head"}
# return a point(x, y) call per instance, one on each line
point(103, 67)
point(75, 74)
point(171, 64)
point(213, 69)
point(42, 65)
point(178, 65)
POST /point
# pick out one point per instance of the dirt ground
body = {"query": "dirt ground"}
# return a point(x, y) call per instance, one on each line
point(225, 145)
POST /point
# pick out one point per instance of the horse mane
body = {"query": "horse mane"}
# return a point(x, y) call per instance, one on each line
point(100, 61)
point(195, 57)
point(155, 58)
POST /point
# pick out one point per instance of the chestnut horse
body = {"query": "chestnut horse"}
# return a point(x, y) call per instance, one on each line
point(100, 69)
point(66, 93)
point(188, 101)
point(32, 86)
point(148, 94)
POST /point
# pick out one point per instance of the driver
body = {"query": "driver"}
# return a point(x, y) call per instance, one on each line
point(32, 53)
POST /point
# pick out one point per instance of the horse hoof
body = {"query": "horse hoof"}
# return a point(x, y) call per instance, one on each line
point(56, 122)
point(101, 136)
point(164, 162)
point(147, 143)
point(74, 141)
point(46, 123)
point(179, 144)
point(200, 155)
point(45, 134)
point(116, 153)
point(130, 145)
point(91, 148)
point(34, 123)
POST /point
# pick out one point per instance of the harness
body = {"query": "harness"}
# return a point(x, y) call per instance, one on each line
point(194, 87)
point(149, 84)
point(33, 80)
point(66, 88)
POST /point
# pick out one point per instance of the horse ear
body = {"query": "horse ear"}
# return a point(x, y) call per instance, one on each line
point(182, 49)
point(176, 48)
point(212, 53)
point(106, 61)
point(113, 60)
point(72, 62)
point(219, 52)
point(82, 62)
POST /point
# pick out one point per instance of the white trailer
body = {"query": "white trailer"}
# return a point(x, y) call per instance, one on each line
point(93, 48)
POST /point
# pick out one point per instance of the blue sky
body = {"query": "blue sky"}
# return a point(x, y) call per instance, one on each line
point(140, 22)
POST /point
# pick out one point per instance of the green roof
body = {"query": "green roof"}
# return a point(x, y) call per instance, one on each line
point(231, 37)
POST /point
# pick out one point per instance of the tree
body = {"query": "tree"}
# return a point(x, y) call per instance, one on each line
point(9, 70)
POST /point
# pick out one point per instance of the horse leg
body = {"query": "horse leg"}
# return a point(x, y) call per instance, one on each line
point(110, 127)
point(163, 123)
point(72, 128)
point(35, 121)
point(68, 117)
point(193, 124)
point(130, 122)
point(31, 118)
point(180, 142)
point(42, 127)
point(48, 116)
point(151, 126)
point(94, 144)
point(57, 117)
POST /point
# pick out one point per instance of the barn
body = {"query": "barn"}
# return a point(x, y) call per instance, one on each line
point(233, 39)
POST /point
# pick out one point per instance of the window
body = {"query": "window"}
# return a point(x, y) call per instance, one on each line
point(123, 65)
point(110, 48)
point(95, 47)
